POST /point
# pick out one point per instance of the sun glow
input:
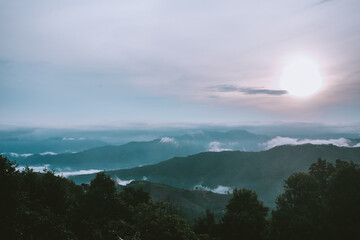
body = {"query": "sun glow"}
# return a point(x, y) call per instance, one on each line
point(301, 77)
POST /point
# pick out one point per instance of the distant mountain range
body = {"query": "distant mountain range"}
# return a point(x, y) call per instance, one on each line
point(21, 146)
point(144, 153)
point(263, 172)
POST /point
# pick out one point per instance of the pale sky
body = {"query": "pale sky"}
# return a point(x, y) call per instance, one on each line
point(90, 62)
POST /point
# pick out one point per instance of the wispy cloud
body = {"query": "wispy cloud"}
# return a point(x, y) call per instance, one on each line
point(216, 147)
point(319, 3)
point(48, 153)
point(16, 155)
point(60, 173)
point(278, 141)
point(168, 140)
point(219, 189)
point(80, 172)
point(122, 182)
point(35, 168)
point(248, 90)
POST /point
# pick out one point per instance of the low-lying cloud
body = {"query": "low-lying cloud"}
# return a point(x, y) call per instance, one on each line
point(168, 140)
point(35, 168)
point(47, 153)
point(278, 141)
point(80, 172)
point(72, 139)
point(122, 182)
point(219, 189)
point(248, 90)
point(216, 147)
point(59, 173)
point(16, 155)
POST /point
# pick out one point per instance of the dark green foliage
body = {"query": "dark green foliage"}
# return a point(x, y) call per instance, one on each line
point(344, 201)
point(244, 217)
point(206, 228)
point(9, 195)
point(321, 204)
point(45, 206)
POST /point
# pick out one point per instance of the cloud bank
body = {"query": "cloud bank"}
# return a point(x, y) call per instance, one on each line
point(12, 154)
point(219, 189)
point(35, 168)
point(48, 153)
point(122, 182)
point(168, 140)
point(80, 172)
point(278, 141)
point(216, 147)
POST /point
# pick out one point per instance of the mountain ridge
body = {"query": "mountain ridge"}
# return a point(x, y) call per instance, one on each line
point(263, 172)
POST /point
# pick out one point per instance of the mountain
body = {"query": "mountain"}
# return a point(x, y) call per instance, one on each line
point(19, 145)
point(144, 153)
point(263, 172)
point(109, 157)
point(190, 204)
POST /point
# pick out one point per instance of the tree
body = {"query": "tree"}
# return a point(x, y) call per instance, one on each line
point(321, 204)
point(9, 196)
point(206, 228)
point(299, 212)
point(244, 217)
point(343, 201)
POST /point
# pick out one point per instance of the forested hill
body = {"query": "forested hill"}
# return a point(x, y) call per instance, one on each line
point(263, 171)
point(190, 204)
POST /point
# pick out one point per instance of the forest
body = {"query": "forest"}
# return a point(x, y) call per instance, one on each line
point(323, 203)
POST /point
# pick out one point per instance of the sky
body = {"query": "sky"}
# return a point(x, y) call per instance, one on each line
point(90, 62)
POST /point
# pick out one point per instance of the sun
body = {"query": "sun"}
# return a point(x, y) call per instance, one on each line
point(301, 77)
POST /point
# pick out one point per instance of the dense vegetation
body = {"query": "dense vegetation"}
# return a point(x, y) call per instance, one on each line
point(320, 204)
point(44, 206)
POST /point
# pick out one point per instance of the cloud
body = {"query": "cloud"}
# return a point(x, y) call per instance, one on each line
point(319, 3)
point(219, 189)
point(16, 155)
point(26, 155)
point(72, 139)
point(68, 139)
point(168, 140)
point(357, 145)
point(122, 182)
point(80, 172)
point(248, 90)
point(216, 147)
point(278, 141)
point(48, 153)
point(60, 173)
point(35, 168)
